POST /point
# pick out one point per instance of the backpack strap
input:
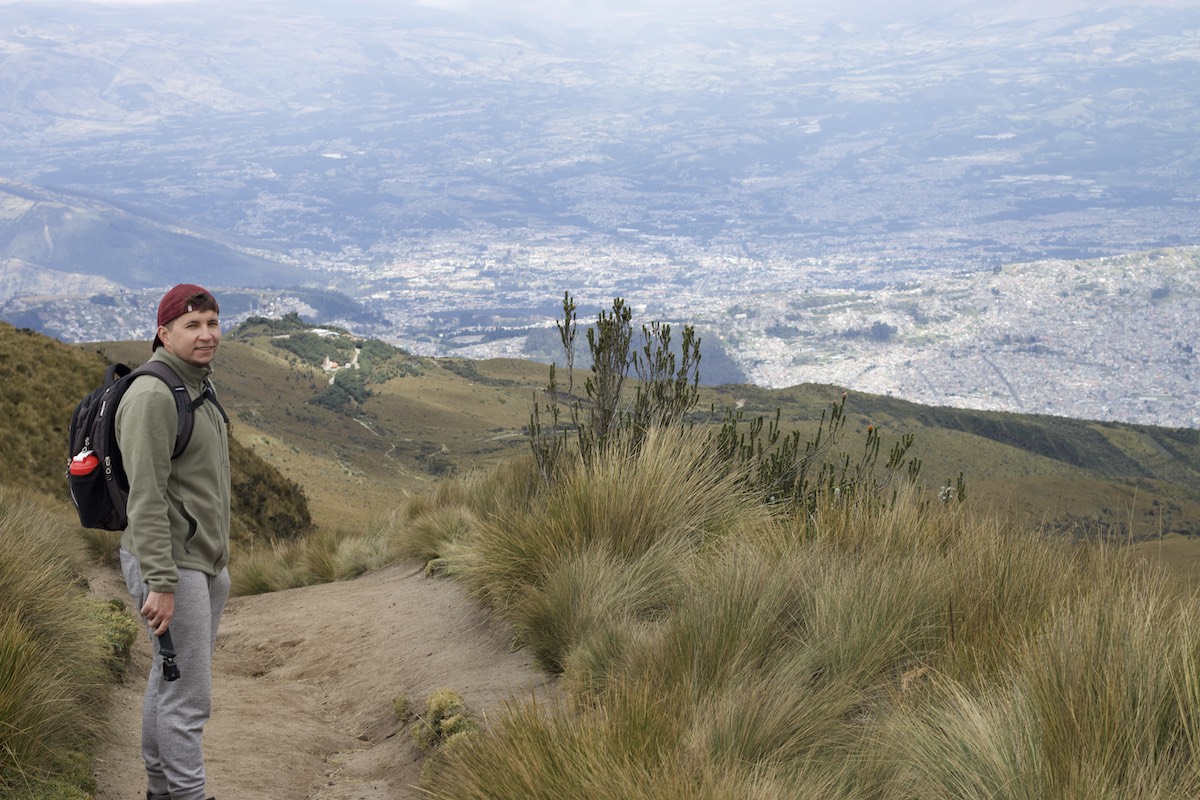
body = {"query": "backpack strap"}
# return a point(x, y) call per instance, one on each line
point(209, 394)
point(185, 406)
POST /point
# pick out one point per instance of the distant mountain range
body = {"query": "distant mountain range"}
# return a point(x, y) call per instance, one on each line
point(47, 235)
point(440, 177)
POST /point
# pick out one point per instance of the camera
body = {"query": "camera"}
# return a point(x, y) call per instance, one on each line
point(166, 649)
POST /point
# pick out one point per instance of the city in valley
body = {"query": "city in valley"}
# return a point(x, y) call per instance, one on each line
point(975, 205)
point(1110, 339)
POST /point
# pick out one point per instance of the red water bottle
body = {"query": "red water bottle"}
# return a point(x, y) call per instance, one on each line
point(83, 463)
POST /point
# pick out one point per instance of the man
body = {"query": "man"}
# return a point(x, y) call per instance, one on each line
point(175, 549)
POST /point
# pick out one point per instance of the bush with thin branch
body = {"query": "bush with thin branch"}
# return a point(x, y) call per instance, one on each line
point(667, 389)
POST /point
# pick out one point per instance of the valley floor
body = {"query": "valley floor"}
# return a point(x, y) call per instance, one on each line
point(304, 682)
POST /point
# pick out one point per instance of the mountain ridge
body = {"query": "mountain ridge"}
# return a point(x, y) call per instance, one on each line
point(420, 420)
point(119, 245)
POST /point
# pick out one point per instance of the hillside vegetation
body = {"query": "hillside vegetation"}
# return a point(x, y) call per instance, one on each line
point(710, 645)
point(59, 653)
point(715, 634)
point(407, 422)
point(42, 382)
point(416, 420)
point(727, 624)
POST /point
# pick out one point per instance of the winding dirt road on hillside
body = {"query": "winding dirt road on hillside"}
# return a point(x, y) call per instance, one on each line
point(304, 681)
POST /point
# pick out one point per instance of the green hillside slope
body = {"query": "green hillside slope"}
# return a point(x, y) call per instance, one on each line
point(399, 423)
point(41, 380)
point(1058, 472)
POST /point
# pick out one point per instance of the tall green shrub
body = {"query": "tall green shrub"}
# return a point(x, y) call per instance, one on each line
point(667, 390)
point(781, 468)
point(786, 468)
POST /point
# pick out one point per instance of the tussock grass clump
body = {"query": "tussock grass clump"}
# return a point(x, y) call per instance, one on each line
point(1097, 705)
point(267, 568)
point(434, 533)
point(445, 728)
point(323, 556)
point(55, 659)
point(119, 628)
point(402, 707)
point(591, 594)
point(873, 646)
point(445, 717)
point(596, 753)
point(488, 494)
point(103, 547)
point(660, 496)
point(332, 555)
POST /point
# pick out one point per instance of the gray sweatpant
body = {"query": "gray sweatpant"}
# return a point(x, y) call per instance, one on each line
point(174, 712)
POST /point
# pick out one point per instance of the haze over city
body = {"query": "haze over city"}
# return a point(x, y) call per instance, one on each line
point(953, 203)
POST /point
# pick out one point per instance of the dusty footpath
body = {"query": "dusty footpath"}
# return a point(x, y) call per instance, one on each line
point(303, 684)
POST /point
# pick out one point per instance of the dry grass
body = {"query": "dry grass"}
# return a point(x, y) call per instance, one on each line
point(54, 655)
point(873, 650)
point(355, 470)
point(324, 556)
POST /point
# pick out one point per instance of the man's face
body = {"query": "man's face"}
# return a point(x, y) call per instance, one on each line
point(192, 337)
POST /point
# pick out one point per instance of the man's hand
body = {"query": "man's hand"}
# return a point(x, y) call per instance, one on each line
point(158, 610)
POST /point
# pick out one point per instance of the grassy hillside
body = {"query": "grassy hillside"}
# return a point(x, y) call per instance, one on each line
point(1065, 474)
point(709, 645)
point(358, 462)
point(59, 651)
point(408, 422)
point(42, 380)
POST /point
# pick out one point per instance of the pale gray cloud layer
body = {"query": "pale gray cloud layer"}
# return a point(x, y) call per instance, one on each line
point(591, 9)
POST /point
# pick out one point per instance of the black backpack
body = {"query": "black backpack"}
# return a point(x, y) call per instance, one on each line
point(95, 474)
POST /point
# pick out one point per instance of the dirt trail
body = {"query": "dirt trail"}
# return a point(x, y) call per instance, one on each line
point(304, 681)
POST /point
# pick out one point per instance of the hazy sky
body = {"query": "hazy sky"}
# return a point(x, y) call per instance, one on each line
point(621, 16)
point(654, 8)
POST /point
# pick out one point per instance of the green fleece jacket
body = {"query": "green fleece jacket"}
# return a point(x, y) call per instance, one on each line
point(178, 509)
